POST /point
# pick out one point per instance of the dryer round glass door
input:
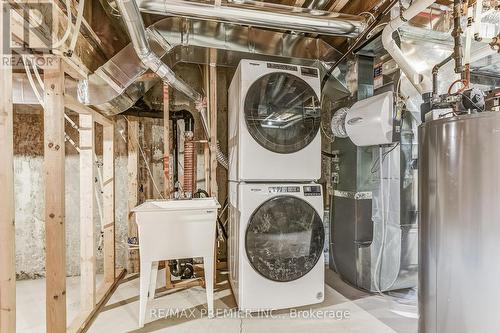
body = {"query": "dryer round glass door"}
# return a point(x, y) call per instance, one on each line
point(284, 238)
point(282, 112)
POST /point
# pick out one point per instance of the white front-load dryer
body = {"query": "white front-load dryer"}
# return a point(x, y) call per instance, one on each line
point(276, 245)
point(274, 122)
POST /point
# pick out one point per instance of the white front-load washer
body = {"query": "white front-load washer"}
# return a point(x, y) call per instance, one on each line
point(274, 122)
point(276, 245)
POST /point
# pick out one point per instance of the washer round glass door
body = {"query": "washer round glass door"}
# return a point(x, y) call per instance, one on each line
point(282, 112)
point(284, 238)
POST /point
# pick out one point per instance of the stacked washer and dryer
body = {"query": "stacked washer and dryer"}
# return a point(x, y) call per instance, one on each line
point(276, 230)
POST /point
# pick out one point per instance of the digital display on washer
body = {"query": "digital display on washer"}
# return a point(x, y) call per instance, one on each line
point(308, 71)
point(282, 66)
point(284, 189)
point(313, 190)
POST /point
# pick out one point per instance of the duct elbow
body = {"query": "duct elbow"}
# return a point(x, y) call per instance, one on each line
point(135, 27)
point(419, 81)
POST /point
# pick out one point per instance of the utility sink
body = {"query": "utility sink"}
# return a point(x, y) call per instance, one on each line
point(187, 204)
point(176, 228)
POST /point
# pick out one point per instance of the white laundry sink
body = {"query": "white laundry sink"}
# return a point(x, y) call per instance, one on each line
point(176, 228)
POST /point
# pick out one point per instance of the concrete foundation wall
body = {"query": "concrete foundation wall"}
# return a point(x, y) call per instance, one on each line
point(29, 196)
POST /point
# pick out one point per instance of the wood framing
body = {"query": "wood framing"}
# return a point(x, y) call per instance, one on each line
point(72, 104)
point(133, 195)
point(337, 5)
point(7, 230)
point(206, 155)
point(213, 125)
point(167, 185)
point(109, 202)
point(92, 298)
point(214, 190)
point(147, 139)
point(87, 234)
point(55, 240)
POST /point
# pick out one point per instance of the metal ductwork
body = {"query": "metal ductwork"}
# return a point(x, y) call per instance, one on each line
point(135, 26)
point(261, 14)
point(119, 83)
point(148, 57)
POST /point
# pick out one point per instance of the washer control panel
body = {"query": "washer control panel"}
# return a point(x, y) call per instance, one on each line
point(284, 189)
point(309, 190)
point(312, 190)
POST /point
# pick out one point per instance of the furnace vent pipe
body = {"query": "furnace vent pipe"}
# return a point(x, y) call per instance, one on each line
point(135, 26)
point(261, 14)
point(421, 83)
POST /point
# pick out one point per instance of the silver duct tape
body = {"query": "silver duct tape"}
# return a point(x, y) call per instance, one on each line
point(353, 195)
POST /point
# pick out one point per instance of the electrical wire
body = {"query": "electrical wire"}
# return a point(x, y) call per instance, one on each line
point(26, 64)
point(464, 82)
point(370, 14)
point(97, 199)
point(72, 142)
point(384, 155)
point(145, 161)
point(327, 136)
point(60, 42)
point(71, 122)
point(327, 154)
point(374, 30)
point(398, 86)
point(37, 74)
point(79, 19)
point(470, 100)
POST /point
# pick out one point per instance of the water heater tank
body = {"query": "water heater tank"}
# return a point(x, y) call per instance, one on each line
point(459, 224)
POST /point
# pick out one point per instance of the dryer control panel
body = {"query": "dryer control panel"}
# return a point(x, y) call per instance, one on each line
point(313, 190)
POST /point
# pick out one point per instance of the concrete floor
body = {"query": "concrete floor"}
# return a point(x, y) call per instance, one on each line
point(366, 313)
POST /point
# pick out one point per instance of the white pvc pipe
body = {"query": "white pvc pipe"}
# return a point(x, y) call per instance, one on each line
point(421, 83)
